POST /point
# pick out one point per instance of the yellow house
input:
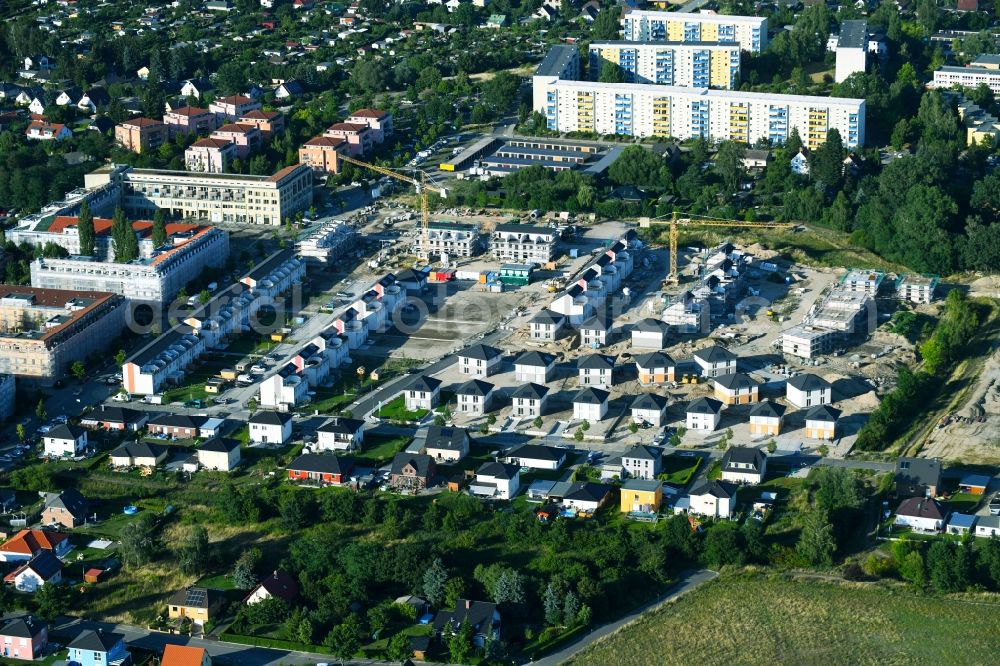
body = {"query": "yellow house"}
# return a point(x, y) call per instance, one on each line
point(821, 422)
point(641, 495)
point(228, 374)
point(736, 389)
point(766, 418)
point(197, 604)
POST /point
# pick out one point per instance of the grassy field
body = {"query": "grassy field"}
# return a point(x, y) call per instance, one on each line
point(677, 470)
point(758, 619)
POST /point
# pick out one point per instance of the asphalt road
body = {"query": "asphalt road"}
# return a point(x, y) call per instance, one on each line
point(689, 581)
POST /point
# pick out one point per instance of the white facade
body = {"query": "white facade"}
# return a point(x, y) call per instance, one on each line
point(522, 244)
point(476, 405)
point(283, 391)
point(643, 110)
point(689, 64)
point(220, 461)
point(750, 32)
point(28, 580)
point(809, 398)
point(966, 77)
point(707, 504)
point(528, 407)
point(420, 399)
point(705, 422)
point(536, 374)
point(58, 447)
point(270, 433)
point(506, 488)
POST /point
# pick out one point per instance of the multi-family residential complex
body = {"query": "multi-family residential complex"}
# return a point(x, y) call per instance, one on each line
point(453, 239)
point(7, 393)
point(966, 77)
point(323, 153)
point(852, 49)
point(329, 242)
point(694, 64)
point(155, 277)
point(141, 134)
point(380, 122)
point(561, 62)
point(523, 243)
point(231, 312)
point(210, 155)
point(229, 198)
point(642, 110)
point(750, 32)
point(588, 295)
point(44, 331)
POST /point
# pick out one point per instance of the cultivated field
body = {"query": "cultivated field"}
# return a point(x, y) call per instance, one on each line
point(758, 619)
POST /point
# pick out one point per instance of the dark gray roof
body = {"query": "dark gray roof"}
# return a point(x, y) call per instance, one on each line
point(853, 35)
point(270, 417)
point(179, 421)
point(498, 470)
point(597, 322)
point(71, 500)
point(193, 597)
point(323, 463)
point(587, 492)
point(720, 489)
point(23, 627)
point(556, 59)
point(704, 406)
point(767, 408)
point(535, 358)
point(96, 641)
point(479, 615)
point(547, 316)
point(649, 401)
point(137, 450)
point(595, 362)
point(531, 391)
point(715, 354)
point(745, 455)
point(424, 383)
point(808, 382)
point(823, 413)
point(45, 564)
point(656, 359)
point(591, 396)
point(650, 325)
point(443, 437)
point(268, 266)
point(422, 463)
point(341, 425)
point(919, 470)
point(641, 452)
point(65, 431)
point(735, 380)
point(219, 445)
point(113, 414)
point(475, 387)
point(481, 352)
point(536, 452)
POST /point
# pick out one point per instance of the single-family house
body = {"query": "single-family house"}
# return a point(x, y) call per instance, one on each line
point(649, 408)
point(320, 468)
point(535, 456)
point(595, 331)
point(590, 404)
point(767, 418)
point(270, 427)
point(138, 454)
point(596, 370)
point(715, 361)
point(655, 368)
point(586, 496)
point(185, 655)
point(24, 638)
point(98, 648)
point(179, 426)
point(974, 484)
point(480, 360)
point(42, 569)
point(496, 480)
point(474, 397)
point(808, 390)
point(800, 162)
point(481, 616)
point(736, 389)
point(96, 98)
point(288, 90)
point(917, 477)
point(424, 392)
point(446, 444)
point(195, 87)
point(703, 414)
point(546, 326)
point(219, 454)
point(649, 333)
point(923, 514)
point(988, 527)
point(279, 585)
point(340, 434)
point(121, 419)
point(68, 508)
point(534, 366)
point(643, 462)
point(529, 400)
point(641, 496)
point(65, 441)
point(961, 524)
point(821, 422)
point(716, 499)
point(27, 543)
point(744, 464)
point(411, 471)
point(198, 604)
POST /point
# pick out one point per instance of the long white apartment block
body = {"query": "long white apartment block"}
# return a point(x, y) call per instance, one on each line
point(966, 77)
point(750, 32)
point(690, 64)
point(643, 110)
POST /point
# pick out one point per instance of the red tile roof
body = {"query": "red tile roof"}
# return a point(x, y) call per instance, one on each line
point(257, 114)
point(102, 226)
point(182, 655)
point(234, 128)
point(29, 542)
point(347, 127)
point(188, 111)
point(211, 143)
point(142, 122)
point(284, 173)
point(235, 99)
point(369, 113)
point(324, 141)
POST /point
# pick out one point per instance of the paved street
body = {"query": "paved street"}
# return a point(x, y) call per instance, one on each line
point(689, 581)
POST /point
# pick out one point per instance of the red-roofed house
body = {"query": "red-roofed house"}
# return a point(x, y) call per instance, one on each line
point(190, 119)
point(248, 139)
point(322, 153)
point(42, 131)
point(210, 155)
point(268, 122)
point(185, 655)
point(27, 543)
point(141, 134)
point(279, 585)
point(379, 121)
point(359, 137)
point(233, 107)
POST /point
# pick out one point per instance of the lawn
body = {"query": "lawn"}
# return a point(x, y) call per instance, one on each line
point(760, 619)
point(964, 502)
point(377, 451)
point(395, 410)
point(678, 471)
point(217, 582)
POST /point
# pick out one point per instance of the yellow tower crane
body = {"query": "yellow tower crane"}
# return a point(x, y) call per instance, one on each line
point(675, 221)
point(420, 185)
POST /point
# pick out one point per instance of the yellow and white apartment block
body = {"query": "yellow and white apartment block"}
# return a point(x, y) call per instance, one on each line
point(750, 32)
point(689, 64)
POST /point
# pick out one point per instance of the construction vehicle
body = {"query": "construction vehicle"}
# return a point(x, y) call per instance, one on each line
point(421, 185)
point(675, 221)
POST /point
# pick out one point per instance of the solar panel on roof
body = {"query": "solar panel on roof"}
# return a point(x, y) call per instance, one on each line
point(196, 597)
